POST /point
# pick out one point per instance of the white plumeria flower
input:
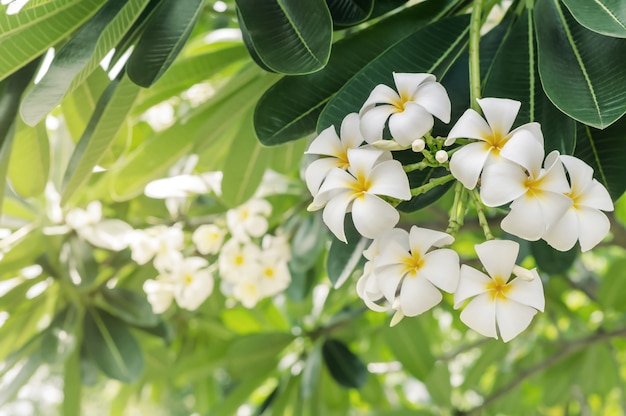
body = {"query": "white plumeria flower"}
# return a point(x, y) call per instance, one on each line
point(249, 219)
point(239, 261)
point(537, 194)
point(492, 137)
point(357, 190)
point(111, 234)
point(583, 221)
point(498, 301)
point(160, 242)
point(410, 110)
point(193, 282)
point(274, 276)
point(334, 148)
point(276, 247)
point(411, 275)
point(248, 292)
point(160, 294)
point(208, 238)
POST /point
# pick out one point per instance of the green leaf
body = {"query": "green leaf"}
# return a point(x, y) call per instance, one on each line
point(419, 178)
point(108, 118)
point(290, 36)
point(131, 307)
point(244, 166)
point(345, 367)
point(242, 391)
point(551, 260)
point(22, 247)
point(581, 71)
point(438, 384)
point(416, 357)
point(514, 74)
point(60, 338)
point(350, 12)
point(287, 158)
point(311, 372)
point(11, 385)
point(32, 33)
point(29, 164)
point(256, 351)
point(72, 386)
point(446, 39)
point(111, 345)
point(77, 262)
point(80, 56)
point(163, 38)
point(344, 258)
point(307, 242)
point(607, 17)
point(602, 150)
point(491, 354)
point(613, 285)
point(289, 110)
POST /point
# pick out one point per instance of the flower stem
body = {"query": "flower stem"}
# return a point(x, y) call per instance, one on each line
point(417, 166)
point(474, 54)
point(482, 219)
point(457, 213)
point(431, 184)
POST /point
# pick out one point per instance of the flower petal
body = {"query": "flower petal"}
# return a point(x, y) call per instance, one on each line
point(500, 114)
point(422, 239)
point(418, 295)
point(317, 171)
point(525, 219)
point(580, 173)
point(407, 83)
point(326, 143)
point(498, 257)
point(381, 94)
point(441, 268)
point(372, 216)
point(388, 278)
point(563, 234)
point(596, 196)
point(553, 206)
point(434, 98)
point(351, 131)
point(362, 160)
point(501, 183)
point(594, 226)
point(533, 128)
point(470, 125)
point(373, 122)
point(553, 178)
point(412, 123)
point(524, 150)
point(480, 315)
point(388, 178)
point(335, 212)
point(467, 163)
point(513, 318)
point(528, 293)
point(471, 283)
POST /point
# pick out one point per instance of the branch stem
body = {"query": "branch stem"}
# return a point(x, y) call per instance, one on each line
point(431, 184)
point(482, 218)
point(474, 53)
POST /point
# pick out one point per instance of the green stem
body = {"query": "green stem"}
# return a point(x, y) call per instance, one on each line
point(457, 213)
point(482, 219)
point(417, 166)
point(474, 53)
point(431, 184)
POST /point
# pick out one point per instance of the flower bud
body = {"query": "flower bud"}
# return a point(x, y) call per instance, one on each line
point(441, 156)
point(418, 145)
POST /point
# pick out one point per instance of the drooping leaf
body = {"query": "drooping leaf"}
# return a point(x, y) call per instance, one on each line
point(290, 36)
point(108, 118)
point(416, 357)
point(60, 338)
point(289, 110)
point(30, 34)
point(111, 345)
point(163, 38)
point(130, 306)
point(607, 17)
point(350, 12)
point(602, 150)
point(445, 39)
point(551, 260)
point(80, 56)
point(30, 160)
point(581, 71)
point(346, 368)
point(344, 258)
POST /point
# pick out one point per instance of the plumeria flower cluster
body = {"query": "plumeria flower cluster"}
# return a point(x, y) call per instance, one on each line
point(553, 197)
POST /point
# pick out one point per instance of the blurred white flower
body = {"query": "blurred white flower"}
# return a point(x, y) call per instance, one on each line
point(411, 275)
point(160, 294)
point(193, 282)
point(410, 110)
point(182, 186)
point(249, 219)
point(357, 190)
point(583, 221)
point(334, 148)
point(208, 238)
point(248, 292)
point(160, 242)
point(497, 301)
point(274, 276)
point(239, 261)
point(492, 137)
point(111, 234)
point(276, 247)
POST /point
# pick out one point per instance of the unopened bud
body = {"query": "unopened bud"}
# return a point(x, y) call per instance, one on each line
point(397, 317)
point(418, 145)
point(441, 156)
point(525, 274)
point(390, 145)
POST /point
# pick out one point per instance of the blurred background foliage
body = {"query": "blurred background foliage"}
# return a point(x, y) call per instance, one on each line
point(131, 87)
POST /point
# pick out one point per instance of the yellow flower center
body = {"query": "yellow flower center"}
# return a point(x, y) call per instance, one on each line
point(533, 186)
point(238, 259)
point(496, 142)
point(188, 279)
point(412, 264)
point(498, 288)
point(269, 273)
point(362, 185)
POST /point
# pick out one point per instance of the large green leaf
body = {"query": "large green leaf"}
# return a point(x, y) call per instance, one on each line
point(111, 345)
point(80, 56)
point(130, 306)
point(290, 36)
point(513, 74)
point(164, 36)
point(582, 72)
point(33, 32)
point(350, 12)
point(254, 351)
point(107, 120)
point(551, 260)
point(289, 110)
point(416, 356)
point(30, 160)
point(607, 17)
point(613, 285)
point(441, 43)
point(345, 367)
point(603, 150)
point(59, 340)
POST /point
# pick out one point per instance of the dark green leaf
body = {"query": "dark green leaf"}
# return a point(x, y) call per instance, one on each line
point(446, 39)
point(131, 307)
point(551, 260)
point(60, 338)
point(581, 71)
point(350, 12)
point(290, 36)
point(164, 36)
point(415, 356)
point(247, 41)
point(603, 150)
point(111, 345)
point(418, 178)
point(613, 285)
point(345, 367)
point(607, 17)
point(344, 258)
point(289, 110)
